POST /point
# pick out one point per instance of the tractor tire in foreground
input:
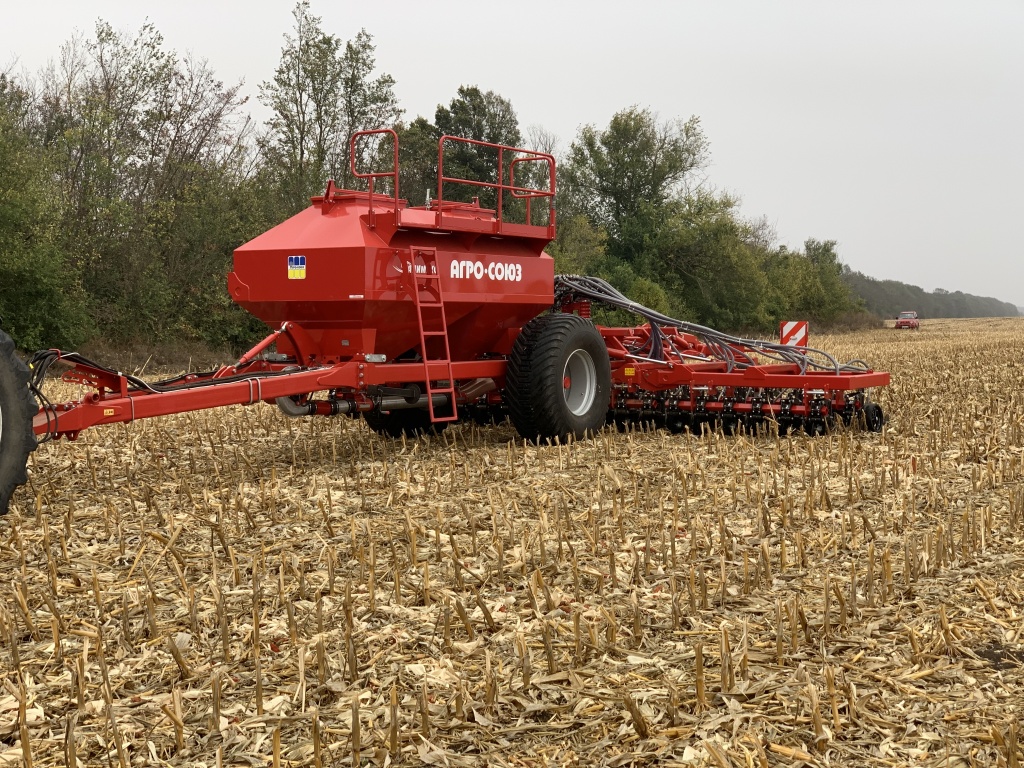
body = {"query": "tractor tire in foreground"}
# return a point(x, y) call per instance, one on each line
point(17, 407)
point(559, 378)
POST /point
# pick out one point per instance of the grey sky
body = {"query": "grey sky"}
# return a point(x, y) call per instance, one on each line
point(893, 127)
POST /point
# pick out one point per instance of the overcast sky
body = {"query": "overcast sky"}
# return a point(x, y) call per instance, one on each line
point(894, 127)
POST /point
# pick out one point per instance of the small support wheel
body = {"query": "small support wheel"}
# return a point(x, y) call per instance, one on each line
point(410, 422)
point(559, 378)
point(17, 407)
point(485, 415)
point(678, 422)
point(873, 417)
point(731, 426)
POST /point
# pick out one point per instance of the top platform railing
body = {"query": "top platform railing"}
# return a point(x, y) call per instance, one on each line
point(511, 199)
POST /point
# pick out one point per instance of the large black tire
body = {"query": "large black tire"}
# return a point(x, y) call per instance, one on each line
point(17, 407)
point(410, 422)
point(559, 378)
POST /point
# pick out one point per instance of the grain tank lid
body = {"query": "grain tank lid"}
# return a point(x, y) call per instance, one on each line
point(333, 195)
point(309, 230)
point(385, 215)
point(455, 215)
point(470, 209)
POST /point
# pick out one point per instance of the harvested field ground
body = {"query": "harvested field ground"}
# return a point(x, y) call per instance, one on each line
point(232, 587)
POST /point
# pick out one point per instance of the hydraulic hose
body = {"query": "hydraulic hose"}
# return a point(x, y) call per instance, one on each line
point(722, 346)
point(289, 407)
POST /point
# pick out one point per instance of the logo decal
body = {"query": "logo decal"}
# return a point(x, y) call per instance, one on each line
point(296, 267)
point(477, 270)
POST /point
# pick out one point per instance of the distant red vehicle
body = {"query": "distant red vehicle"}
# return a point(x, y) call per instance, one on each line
point(909, 321)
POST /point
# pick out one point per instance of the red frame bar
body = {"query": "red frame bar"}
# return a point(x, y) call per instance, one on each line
point(103, 407)
point(114, 401)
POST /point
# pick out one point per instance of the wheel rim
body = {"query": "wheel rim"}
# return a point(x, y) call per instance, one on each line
point(579, 382)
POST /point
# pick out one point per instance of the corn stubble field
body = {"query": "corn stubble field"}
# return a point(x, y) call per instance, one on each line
point(234, 588)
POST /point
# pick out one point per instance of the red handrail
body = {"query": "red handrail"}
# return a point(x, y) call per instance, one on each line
point(392, 174)
point(501, 188)
point(527, 193)
point(533, 193)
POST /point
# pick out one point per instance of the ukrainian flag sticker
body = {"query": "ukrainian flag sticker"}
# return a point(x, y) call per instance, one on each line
point(296, 267)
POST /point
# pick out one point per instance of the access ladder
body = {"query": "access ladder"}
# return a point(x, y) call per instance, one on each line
point(433, 327)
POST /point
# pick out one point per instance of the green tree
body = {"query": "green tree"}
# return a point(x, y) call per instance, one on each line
point(367, 104)
point(625, 176)
point(418, 161)
point(824, 295)
point(640, 182)
point(306, 123)
point(137, 136)
point(41, 299)
point(702, 255)
point(579, 248)
point(887, 298)
point(321, 93)
point(480, 116)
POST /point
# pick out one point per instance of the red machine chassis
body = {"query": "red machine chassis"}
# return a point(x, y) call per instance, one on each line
point(444, 290)
point(640, 386)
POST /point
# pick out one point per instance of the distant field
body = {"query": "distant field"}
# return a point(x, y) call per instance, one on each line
point(975, 322)
point(233, 587)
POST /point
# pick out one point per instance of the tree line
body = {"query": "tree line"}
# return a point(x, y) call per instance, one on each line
point(129, 173)
point(887, 298)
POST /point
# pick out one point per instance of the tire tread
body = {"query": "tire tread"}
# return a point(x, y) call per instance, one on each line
point(19, 406)
point(533, 382)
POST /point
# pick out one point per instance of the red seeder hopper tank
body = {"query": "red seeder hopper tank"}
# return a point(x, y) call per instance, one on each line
point(340, 268)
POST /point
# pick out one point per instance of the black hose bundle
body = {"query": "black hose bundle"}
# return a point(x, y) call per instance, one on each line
point(722, 346)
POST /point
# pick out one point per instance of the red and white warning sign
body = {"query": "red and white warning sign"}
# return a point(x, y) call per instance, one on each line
point(793, 333)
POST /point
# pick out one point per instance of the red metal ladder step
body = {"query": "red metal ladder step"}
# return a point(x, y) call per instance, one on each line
point(433, 329)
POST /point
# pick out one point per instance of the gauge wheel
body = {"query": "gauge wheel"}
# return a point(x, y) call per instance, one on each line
point(873, 417)
point(410, 422)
